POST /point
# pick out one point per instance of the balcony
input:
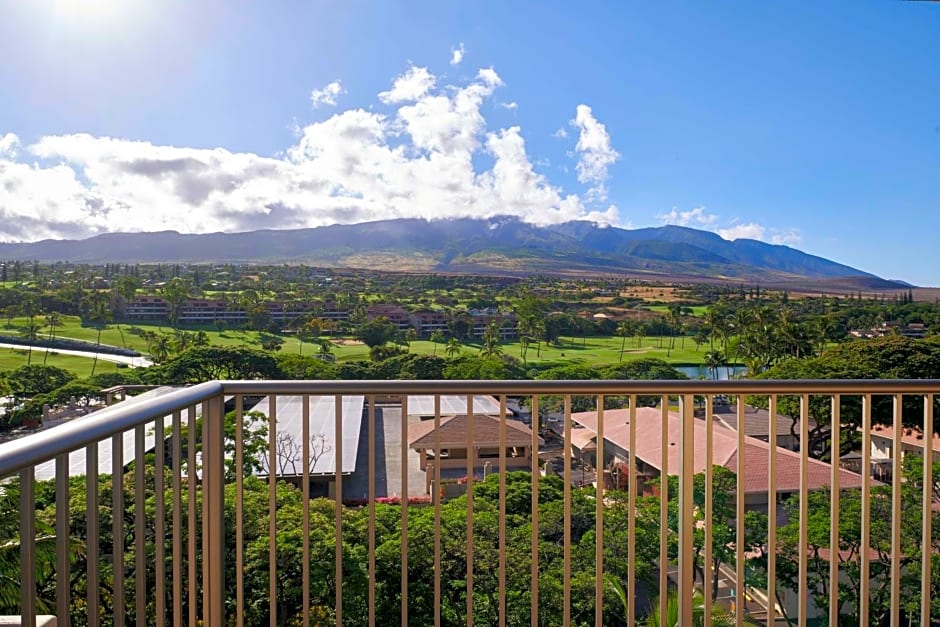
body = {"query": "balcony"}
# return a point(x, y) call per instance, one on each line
point(437, 522)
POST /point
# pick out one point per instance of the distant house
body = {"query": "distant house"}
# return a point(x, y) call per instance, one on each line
point(883, 330)
point(395, 314)
point(914, 330)
point(427, 321)
point(453, 454)
point(482, 318)
point(757, 424)
point(882, 448)
point(650, 459)
point(147, 308)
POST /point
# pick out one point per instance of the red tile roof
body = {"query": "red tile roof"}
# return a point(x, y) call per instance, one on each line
point(911, 437)
point(649, 425)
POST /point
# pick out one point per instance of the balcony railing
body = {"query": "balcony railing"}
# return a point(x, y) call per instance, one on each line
point(160, 537)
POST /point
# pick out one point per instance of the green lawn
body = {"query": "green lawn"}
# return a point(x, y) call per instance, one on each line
point(602, 350)
point(129, 335)
point(11, 358)
point(593, 351)
point(697, 310)
point(71, 327)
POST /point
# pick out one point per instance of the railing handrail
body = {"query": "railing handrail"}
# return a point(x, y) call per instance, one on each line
point(586, 387)
point(40, 447)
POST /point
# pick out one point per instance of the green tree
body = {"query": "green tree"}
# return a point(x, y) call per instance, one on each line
point(850, 547)
point(715, 360)
point(175, 293)
point(270, 342)
point(97, 313)
point(209, 363)
point(624, 330)
point(452, 349)
point(719, 617)
point(376, 332)
point(437, 337)
point(28, 381)
point(53, 319)
point(30, 333)
point(10, 567)
point(492, 340)
point(304, 367)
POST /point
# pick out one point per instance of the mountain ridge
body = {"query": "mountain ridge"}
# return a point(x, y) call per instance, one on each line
point(499, 244)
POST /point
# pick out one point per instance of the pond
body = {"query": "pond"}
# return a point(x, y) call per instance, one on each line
point(702, 372)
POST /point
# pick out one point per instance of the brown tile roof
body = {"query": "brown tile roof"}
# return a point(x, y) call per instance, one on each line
point(453, 432)
point(724, 450)
point(911, 437)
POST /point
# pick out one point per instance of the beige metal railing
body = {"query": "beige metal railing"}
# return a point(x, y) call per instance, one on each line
point(179, 573)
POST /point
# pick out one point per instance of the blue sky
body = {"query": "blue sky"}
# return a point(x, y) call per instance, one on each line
point(811, 124)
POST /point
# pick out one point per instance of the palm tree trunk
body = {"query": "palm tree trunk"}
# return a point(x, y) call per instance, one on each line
point(94, 364)
point(45, 356)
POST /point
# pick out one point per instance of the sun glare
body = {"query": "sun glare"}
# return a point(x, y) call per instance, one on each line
point(86, 8)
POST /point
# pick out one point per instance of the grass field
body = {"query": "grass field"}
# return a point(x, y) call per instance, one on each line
point(592, 351)
point(697, 310)
point(11, 358)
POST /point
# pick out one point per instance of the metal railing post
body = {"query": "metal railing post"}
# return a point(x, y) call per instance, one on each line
point(213, 492)
point(686, 515)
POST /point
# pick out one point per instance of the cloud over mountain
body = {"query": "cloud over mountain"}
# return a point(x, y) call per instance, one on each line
point(427, 150)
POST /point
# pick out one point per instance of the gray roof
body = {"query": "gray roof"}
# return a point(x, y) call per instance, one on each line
point(322, 432)
point(78, 460)
point(452, 405)
point(756, 421)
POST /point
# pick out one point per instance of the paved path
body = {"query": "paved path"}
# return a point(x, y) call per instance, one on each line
point(133, 362)
point(388, 460)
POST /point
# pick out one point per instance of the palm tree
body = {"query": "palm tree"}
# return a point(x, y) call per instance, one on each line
point(53, 319)
point(158, 344)
point(719, 617)
point(175, 293)
point(98, 313)
point(538, 330)
point(411, 335)
point(43, 546)
point(716, 321)
point(623, 330)
point(714, 360)
point(31, 333)
point(452, 349)
point(491, 341)
point(437, 337)
point(524, 328)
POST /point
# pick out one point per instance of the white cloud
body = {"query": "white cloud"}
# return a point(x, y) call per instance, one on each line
point(489, 76)
point(417, 160)
point(595, 150)
point(456, 54)
point(327, 95)
point(9, 144)
point(697, 217)
point(509, 105)
point(749, 230)
point(410, 86)
point(560, 133)
point(785, 237)
point(700, 218)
